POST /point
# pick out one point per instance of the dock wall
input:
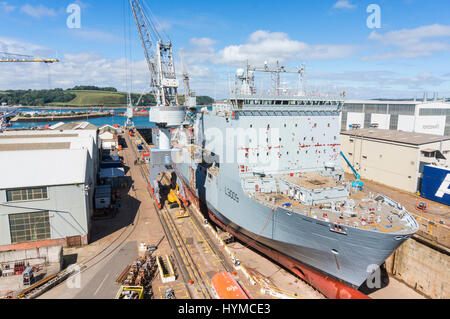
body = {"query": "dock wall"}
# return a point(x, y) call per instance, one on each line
point(422, 267)
point(33, 256)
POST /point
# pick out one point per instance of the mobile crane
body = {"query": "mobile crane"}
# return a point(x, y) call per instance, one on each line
point(357, 183)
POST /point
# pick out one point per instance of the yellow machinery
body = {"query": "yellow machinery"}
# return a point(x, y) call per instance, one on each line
point(172, 198)
point(130, 293)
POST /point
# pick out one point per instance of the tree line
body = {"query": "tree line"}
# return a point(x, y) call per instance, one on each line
point(92, 88)
point(35, 97)
point(46, 97)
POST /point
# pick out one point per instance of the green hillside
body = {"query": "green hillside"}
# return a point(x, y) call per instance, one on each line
point(95, 98)
point(81, 96)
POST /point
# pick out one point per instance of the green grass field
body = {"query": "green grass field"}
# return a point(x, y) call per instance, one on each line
point(95, 98)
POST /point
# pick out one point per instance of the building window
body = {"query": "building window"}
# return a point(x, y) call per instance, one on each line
point(26, 194)
point(29, 227)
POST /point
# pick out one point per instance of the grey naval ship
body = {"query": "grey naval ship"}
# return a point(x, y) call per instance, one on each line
point(283, 191)
point(267, 168)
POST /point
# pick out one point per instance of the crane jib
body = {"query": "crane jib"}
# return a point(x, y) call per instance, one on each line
point(159, 58)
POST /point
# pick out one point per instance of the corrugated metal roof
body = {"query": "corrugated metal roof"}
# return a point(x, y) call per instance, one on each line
point(48, 142)
point(410, 138)
point(381, 102)
point(33, 146)
point(9, 136)
point(77, 126)
point(42, 168)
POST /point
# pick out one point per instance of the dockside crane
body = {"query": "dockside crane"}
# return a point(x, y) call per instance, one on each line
point(167, 114)
point(189, 95)
point(357, 183)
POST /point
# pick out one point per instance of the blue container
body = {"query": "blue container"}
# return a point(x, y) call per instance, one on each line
point(436, 184)
point(113, 164)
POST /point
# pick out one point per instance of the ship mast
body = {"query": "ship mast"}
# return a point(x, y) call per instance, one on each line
point(276, 74)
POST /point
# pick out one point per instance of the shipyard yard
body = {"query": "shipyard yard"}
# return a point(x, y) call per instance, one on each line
point(215, 164)
point(198, 250)
point(200, 256)
point(195, 252)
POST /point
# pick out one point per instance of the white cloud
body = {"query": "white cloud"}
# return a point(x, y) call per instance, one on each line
point(4, 6)
point(265, 46)
point(38, 11)
point(344, 4)
point(74, 69)
point(202, 42)
point(88, 68)
point(423, 80)
point(413, 43)
point(18, 47)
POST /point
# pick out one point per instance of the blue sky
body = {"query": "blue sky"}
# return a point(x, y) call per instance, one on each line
point(406, 56)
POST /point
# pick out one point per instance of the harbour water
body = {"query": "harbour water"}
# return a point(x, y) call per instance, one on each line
point(140, 121)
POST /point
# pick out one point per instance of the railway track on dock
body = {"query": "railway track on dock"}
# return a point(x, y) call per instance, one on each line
point(92, 261)
point(188, 266)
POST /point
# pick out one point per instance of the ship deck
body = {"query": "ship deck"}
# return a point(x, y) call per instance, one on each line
point(311, 180)
point(368, 213)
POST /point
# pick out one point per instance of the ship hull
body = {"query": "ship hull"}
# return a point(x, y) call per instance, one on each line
point(328, 286)
point(302, 244)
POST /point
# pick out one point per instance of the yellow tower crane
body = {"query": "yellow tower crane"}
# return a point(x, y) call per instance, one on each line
point(15, 58)
point(20, 58)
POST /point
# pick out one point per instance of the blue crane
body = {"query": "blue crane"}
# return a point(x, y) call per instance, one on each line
point(357, 183)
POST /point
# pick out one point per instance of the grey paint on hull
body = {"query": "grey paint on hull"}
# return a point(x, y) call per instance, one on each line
point(300, 237)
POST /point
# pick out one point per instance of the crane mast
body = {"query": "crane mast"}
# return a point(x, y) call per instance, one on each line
point(189, 95)
point(159, 58)
point(167, 114)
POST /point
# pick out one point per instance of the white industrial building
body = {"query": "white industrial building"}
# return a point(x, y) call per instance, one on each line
point(394, 158)
point(429, 117)
point(47, 186)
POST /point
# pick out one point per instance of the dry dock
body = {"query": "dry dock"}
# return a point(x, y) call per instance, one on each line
point(196, 252)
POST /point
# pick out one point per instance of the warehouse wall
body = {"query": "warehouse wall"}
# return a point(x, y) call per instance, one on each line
point(69, 208)
point(389, 164)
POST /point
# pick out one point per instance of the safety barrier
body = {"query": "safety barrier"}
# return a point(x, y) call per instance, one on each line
point(166, 271)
